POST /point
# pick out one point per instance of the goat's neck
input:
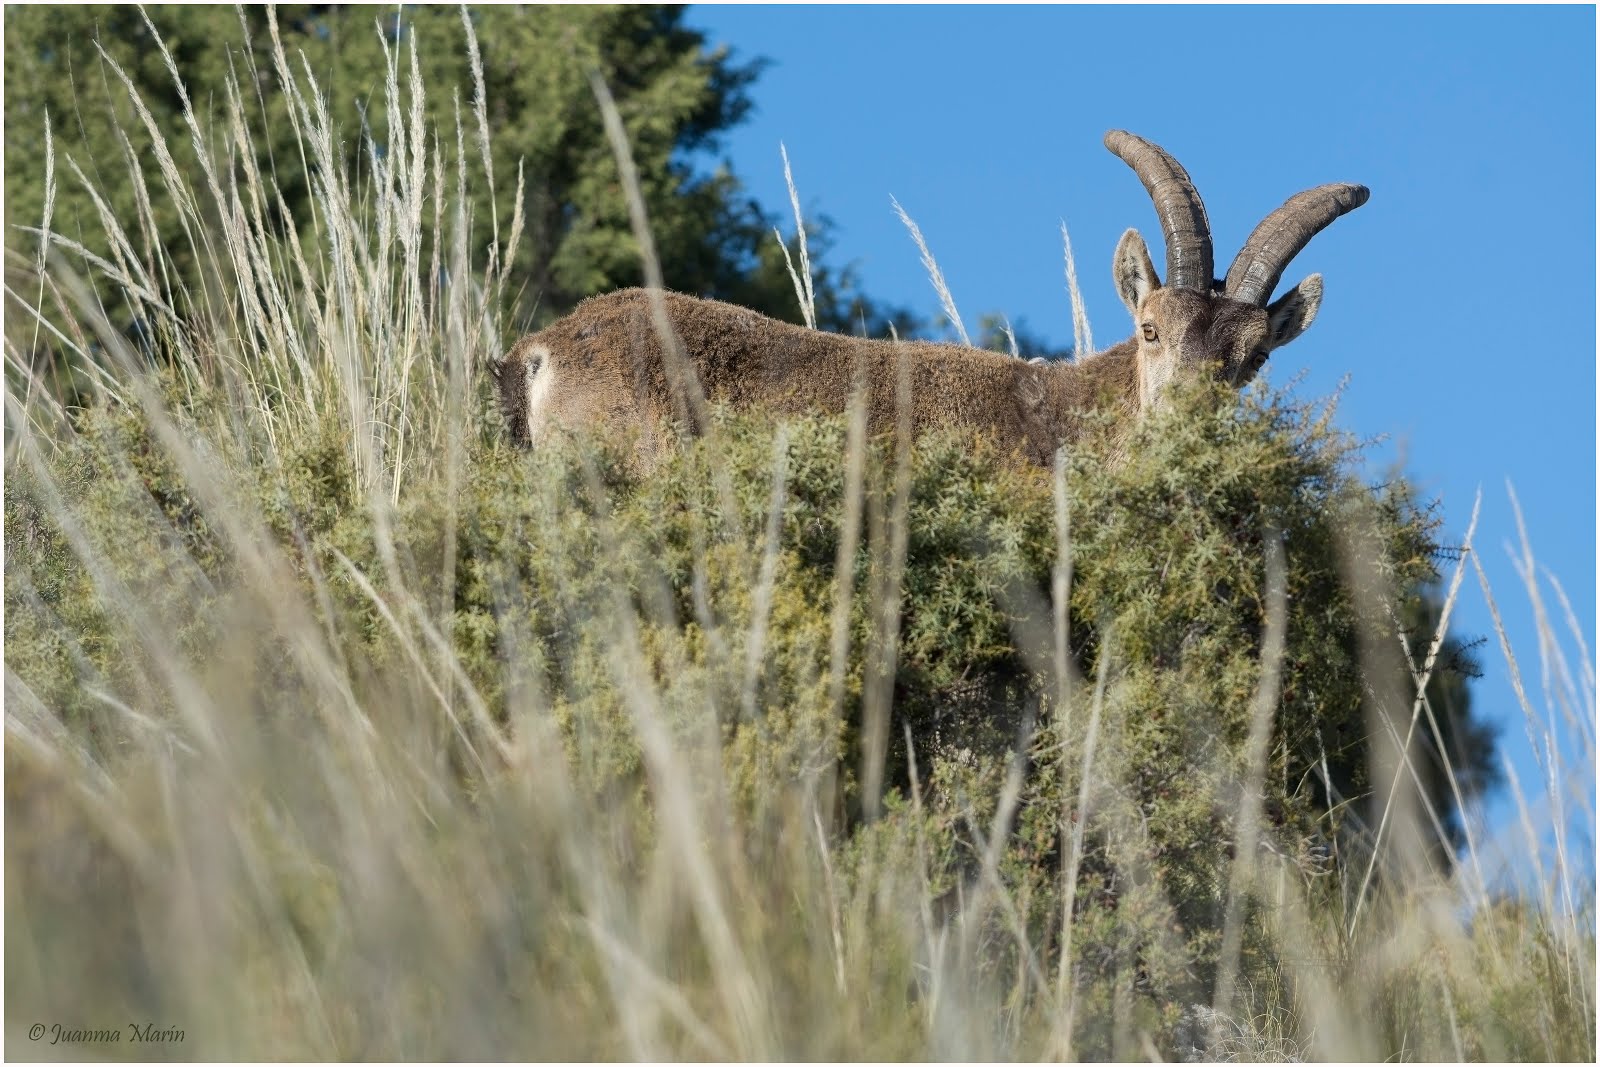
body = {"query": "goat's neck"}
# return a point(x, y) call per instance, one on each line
point(1100, 390)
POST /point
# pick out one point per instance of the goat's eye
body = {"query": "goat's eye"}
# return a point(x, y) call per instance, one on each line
point(1150, 331)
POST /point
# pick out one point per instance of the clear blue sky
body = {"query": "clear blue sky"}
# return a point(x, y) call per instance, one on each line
point(1460, 300)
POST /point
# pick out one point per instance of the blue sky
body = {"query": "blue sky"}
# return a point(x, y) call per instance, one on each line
point(1460, 300)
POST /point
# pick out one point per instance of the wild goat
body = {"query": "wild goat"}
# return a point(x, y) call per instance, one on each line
point(605, 364)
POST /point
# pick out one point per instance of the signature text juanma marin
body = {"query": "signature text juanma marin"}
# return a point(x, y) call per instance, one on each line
point(149, 1033)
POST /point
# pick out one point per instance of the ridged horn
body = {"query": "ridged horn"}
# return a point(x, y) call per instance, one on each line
point(1282, 234)
point(1184, 226)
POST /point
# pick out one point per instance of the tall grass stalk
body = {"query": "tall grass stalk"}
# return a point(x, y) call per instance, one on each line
point(1082, 336)
point(935, 275)
point(802, 279)
point(1261, 730)
point(1078, 819)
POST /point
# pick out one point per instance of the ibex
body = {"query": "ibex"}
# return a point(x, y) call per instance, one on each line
point(605, 364)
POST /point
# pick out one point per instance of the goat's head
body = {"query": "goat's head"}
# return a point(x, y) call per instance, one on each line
point(1195, 323)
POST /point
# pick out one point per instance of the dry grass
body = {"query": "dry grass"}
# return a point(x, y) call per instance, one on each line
point(935, 275)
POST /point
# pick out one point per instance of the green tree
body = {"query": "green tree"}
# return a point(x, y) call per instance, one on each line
point(676, 96)
point(998, 334)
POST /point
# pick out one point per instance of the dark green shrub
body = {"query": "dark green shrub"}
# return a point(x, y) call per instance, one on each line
point(569, 587)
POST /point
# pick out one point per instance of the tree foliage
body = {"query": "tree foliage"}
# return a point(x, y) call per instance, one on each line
point(73, 67)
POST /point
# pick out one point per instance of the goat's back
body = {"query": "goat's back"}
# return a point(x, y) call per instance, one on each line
point(603, 365)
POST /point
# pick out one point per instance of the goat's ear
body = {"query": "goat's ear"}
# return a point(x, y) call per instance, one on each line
point(1135, 275)
point(1290, 314)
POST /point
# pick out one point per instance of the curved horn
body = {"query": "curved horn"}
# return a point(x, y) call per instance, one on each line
point(1281, 236)
point(1183, 217)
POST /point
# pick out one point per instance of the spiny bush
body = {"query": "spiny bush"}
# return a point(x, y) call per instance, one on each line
point(689, 610)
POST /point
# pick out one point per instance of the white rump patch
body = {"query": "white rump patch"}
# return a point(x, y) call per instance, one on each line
point(540, 374)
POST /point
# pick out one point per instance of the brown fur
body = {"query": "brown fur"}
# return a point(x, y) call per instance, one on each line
point(604, 365)
point(606, 368)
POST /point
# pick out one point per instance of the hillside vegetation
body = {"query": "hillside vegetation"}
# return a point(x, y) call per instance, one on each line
point(337, 728)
